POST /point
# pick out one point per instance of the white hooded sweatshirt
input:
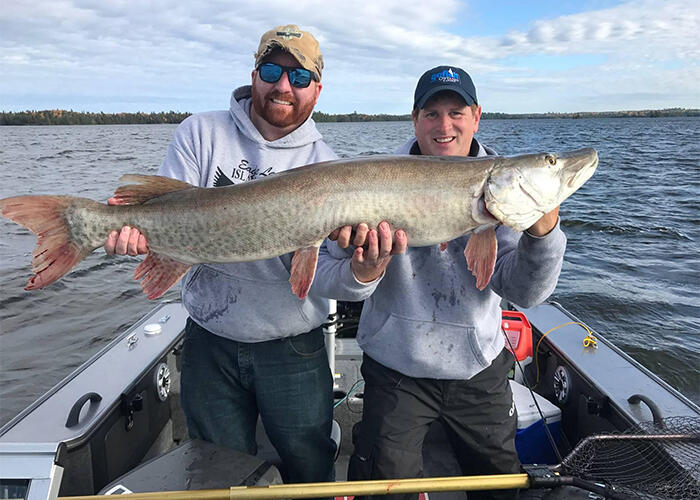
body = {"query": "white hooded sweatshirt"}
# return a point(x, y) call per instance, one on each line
point(249, 301)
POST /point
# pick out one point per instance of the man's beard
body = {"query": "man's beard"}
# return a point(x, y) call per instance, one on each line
point(281, 116)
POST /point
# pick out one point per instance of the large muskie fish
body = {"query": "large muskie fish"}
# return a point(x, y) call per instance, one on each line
point(434, 199)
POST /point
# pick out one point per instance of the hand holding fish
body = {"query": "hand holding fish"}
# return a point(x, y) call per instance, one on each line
point(128, 241)
point(369, 263)
point(347, 235)
point(357, 236)
point(545, 224)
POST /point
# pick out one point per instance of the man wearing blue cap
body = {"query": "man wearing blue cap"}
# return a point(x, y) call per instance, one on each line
point(445, 115)
point(432, 341)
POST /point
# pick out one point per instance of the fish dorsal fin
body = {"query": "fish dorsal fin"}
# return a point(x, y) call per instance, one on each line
point(145, 187)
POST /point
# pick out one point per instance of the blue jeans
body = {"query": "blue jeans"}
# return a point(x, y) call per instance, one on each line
point(226, 384)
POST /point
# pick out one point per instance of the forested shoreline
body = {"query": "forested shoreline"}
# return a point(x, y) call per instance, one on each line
point(70, 117)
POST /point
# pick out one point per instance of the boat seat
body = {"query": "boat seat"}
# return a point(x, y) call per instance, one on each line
point(195, 465)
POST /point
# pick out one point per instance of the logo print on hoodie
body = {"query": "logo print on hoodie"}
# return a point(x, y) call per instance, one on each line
point(242, 173)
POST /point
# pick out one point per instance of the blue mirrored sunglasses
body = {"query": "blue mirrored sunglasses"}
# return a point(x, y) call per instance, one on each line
point(298, 77)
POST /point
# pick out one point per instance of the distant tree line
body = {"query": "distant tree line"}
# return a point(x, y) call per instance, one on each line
point(63, 117)
point(322, 117)
point(645, 113)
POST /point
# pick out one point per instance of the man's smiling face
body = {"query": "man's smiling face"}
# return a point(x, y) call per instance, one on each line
point(280, 104)
point(445, 126)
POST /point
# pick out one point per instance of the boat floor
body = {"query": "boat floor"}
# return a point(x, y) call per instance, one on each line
point(438, 458)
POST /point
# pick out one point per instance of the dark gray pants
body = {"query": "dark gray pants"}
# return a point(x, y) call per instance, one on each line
point(478, 415)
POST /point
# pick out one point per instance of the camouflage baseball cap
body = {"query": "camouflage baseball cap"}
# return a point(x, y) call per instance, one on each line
point(300, 44)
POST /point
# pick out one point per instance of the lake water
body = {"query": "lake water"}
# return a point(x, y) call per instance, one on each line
point(632, 266)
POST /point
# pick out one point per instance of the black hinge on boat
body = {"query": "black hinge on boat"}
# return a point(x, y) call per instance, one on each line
point(129, 407)
point(599, 407)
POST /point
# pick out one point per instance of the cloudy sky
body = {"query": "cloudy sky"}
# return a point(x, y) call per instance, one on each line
point(183, 55)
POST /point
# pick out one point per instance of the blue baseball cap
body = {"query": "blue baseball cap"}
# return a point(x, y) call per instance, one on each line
point(444, 78)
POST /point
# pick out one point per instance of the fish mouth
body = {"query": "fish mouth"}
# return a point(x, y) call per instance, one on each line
point(580, 163)
point(585, 173)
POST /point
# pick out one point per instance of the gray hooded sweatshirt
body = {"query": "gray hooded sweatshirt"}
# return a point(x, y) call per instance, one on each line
point(425, 317)
point(250, 301)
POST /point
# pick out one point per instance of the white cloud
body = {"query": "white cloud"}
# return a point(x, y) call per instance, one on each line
point(619, 29)
point(194, 53)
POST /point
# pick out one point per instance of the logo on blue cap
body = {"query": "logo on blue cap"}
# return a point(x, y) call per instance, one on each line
point(445, 76)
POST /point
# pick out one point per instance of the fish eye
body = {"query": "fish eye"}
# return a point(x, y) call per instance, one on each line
point(551, 159)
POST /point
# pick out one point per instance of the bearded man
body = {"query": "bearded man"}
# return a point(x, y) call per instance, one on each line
point(252, 348)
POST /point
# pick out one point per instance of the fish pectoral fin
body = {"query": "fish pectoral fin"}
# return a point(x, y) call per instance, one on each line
point(481, 256)
point(303, 270)
point(145, 187)
point(159, 274)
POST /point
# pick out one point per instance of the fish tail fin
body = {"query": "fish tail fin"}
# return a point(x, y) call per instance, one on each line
point(56, 252)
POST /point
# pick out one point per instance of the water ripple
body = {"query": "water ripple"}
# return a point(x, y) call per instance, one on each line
point(631, 269)
point(625, 229)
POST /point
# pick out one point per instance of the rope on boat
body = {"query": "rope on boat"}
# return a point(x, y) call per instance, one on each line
point(588, 341)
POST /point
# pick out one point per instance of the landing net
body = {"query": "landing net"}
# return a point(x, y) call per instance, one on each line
point(652, 461)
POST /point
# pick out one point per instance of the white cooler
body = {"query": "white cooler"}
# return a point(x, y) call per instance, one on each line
point(531, 439)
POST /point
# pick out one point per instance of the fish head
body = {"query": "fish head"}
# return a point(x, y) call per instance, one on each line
point(521, 189)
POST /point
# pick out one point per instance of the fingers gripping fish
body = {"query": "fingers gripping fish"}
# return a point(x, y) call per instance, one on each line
point(434, 199)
